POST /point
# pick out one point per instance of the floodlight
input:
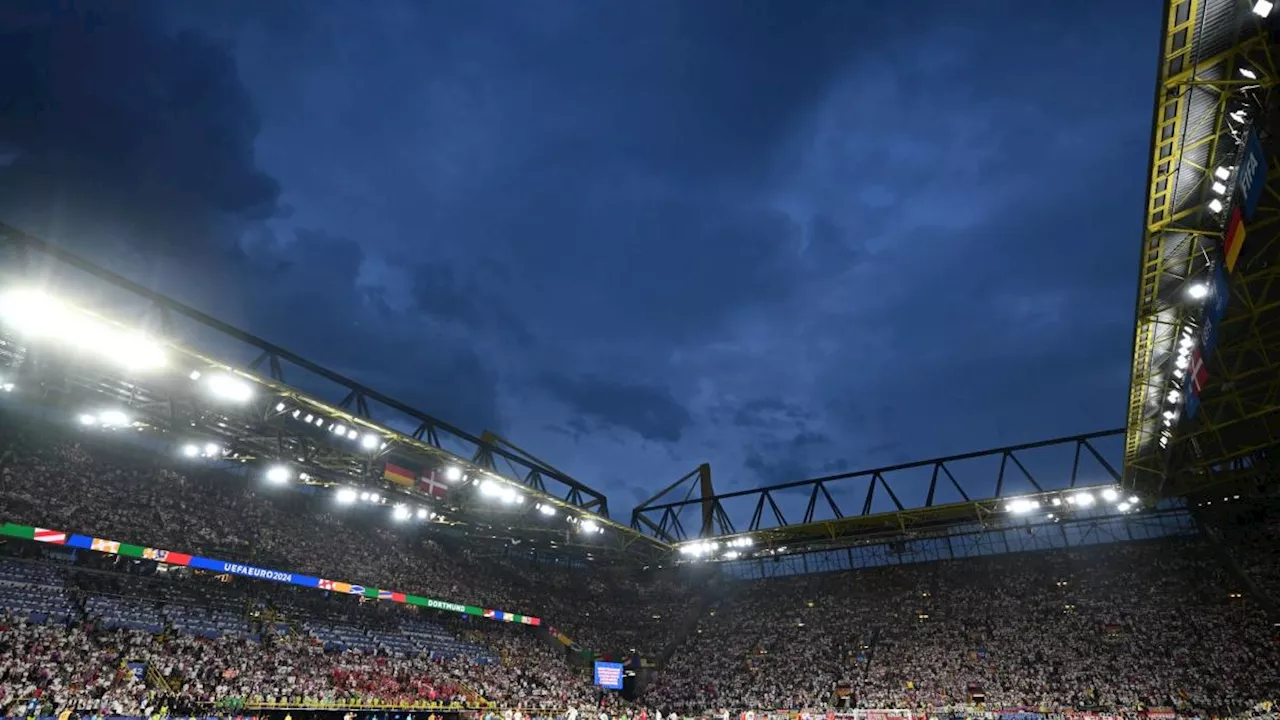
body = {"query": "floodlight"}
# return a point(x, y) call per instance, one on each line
point(1215, 205)
point(230, 388)
point(588, 526)
point(212, 449)
point(369, 442)
point(1084, 499)
point(1022, 505)
point(278, 474)
point(547, 510)
point(190, 450)
point(1198, 291)
point(1123, 507)
point(1262, 8)
point(453, 473)
point(346, 496)
point(400, 512)
point(113, 418)
point(423, 513)
point(1222, 173)
point(87, 419)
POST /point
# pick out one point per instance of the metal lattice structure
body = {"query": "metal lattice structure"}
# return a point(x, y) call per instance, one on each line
point(896, 500)
point(267, 428)
point(1215, 86)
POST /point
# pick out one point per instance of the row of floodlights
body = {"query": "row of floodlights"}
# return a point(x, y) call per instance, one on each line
point(38, 314)
point(1080, 499)
point(369, 441)
point(710, 547)
point(1181, 366)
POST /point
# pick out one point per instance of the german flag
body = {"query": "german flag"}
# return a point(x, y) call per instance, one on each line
point(1233, 240)
point(398, 475)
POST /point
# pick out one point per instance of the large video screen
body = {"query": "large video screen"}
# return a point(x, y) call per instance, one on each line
point(609, 675)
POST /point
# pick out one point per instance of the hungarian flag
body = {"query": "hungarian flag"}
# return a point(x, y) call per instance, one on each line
point(1233, 240)
point(433, 486)
point(398, 475)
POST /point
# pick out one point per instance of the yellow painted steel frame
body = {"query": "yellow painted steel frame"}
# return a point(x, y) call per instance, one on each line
point(1177, 230)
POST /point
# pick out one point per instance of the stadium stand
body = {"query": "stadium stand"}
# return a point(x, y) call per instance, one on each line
point(1163, 623)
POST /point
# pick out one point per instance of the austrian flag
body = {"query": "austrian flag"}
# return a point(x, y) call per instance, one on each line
point(50, 536)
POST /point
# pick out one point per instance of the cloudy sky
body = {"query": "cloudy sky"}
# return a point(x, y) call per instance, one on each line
point(787, 238)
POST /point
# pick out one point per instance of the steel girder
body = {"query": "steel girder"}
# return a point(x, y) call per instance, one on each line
point(260, 430)
point(895, 499)
point(1204, 43)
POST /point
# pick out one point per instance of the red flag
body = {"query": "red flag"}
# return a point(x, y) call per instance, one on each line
point(432, 486)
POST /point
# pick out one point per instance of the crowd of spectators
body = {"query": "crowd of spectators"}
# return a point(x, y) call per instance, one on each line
point(50, 480)
point(1157, 623)
point(286, 653)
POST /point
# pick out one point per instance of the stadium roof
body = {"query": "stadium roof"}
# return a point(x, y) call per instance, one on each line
point(1035, 482)
point(1213, 92)
point(227, 414)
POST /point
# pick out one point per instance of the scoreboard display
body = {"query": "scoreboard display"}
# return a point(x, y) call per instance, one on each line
point(608, 675)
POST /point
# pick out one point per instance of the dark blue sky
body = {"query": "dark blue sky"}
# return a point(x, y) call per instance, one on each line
point(786, 238)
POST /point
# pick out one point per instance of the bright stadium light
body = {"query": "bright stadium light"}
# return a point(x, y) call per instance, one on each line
point(339, 429)
point(1110, 494)
point(231, 388)
point(547, 510)
point(1218, 187)
point(278, 474)
point(369, 442)
point(87, 419)
point(1123, 507)
point(1133, 499)
point(1022, 505)
point(35, 313)
point(190, 450)
point(588, 526)
point(113, 418)
point(1222, 173)
point(1084, 499)
point(400, 512)
point(375, 497)
point(423, 514)
point(212, 450)
point(453, 473)
point(1215, 205)
point(346, 496)
point(364, 496)
point(1198, 291)
point(1262, 8)
point(1248, 74)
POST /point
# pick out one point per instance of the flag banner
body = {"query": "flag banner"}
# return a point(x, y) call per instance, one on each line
point(1252, 175)
point(1215, 310)
point(114, 547)
point(398, 475)
point(1233, 239)
point(45, 535)
point(431, 484)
